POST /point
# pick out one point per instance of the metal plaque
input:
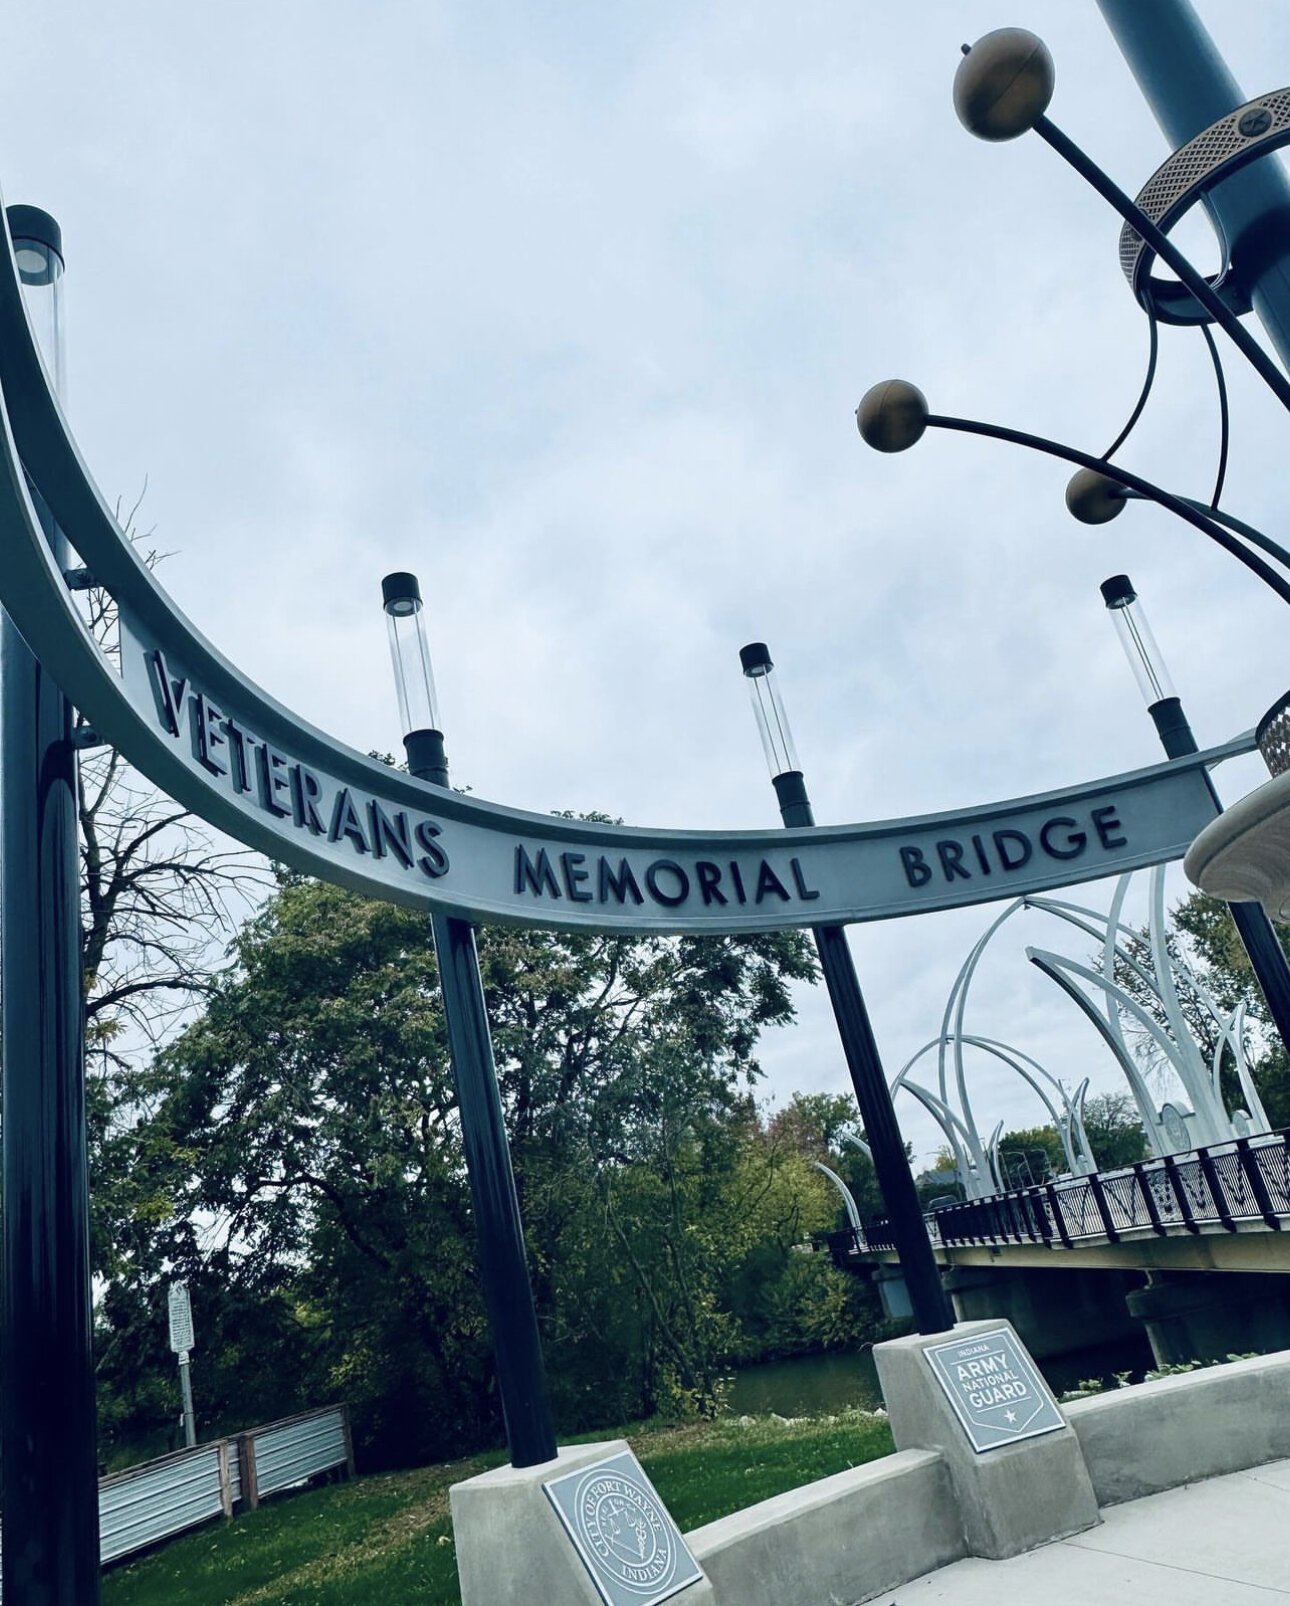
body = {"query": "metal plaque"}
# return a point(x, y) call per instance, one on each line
point(181, 1320)
point(995, 1389)
point(631, 1547)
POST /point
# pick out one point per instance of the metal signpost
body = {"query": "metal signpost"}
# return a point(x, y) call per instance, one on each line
point(995, 1389)
point(182, 1345)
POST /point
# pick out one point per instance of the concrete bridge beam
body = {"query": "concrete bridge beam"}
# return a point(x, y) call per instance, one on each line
point(1055, 1311)
point(1208, 1316)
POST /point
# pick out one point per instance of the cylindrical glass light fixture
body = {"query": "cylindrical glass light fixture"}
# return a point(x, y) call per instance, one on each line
point(414, 677)
point(38, 248)
point(772, 722)
point(1135, 637)
point(1148, 666)
point(776, 738)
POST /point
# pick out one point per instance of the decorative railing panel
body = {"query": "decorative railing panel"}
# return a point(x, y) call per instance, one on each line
point(1225, 1187)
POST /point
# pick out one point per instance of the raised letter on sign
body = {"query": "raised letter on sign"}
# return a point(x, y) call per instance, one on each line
point(804, 892)
point(171, 692)
point(767, 882)
point(1072, 847)
point(1024, 849)
point(621, 883)
point(1105, 822)
point(537, 877)
point(390, 832)
point(574, 876)
point(345, 821)
point(434, 861)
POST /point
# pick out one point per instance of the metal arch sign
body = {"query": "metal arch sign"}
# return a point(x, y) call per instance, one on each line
point(198, 728)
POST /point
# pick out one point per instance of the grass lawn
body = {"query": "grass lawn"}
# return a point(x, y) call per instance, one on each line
point(387, 1540)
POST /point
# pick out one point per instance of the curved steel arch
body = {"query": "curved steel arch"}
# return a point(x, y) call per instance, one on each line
point(187, 718)
point(848, 1199)
point(1067, 1123)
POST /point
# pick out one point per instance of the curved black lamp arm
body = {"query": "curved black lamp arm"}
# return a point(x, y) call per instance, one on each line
point(1224, 416)
point(1193, 513)
point(1169, 253)
point(1149, 379)
point(1265, 543)
point(1254, 537)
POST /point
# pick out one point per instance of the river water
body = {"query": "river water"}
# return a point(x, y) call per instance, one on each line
point(817, 1385)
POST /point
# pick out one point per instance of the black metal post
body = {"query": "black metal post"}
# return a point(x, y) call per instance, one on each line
point(503, 1266)
point(521, 1375)
point(48, 1456)
point(931, 1307)
point(1266, 956)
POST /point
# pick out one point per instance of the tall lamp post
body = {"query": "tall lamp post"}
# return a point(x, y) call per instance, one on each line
point(1267, 960)
point(931, 1307)
point(503, 1268)
point(48, 1465)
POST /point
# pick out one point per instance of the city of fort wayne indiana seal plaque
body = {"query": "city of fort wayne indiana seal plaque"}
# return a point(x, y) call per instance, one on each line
point(632, 1548)
point(995, 1389)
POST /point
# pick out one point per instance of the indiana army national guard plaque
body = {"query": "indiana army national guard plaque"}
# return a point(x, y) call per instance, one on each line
point(632, 1548)
point(995, 1389)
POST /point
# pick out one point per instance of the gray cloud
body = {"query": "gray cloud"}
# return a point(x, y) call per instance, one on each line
point(568, 308)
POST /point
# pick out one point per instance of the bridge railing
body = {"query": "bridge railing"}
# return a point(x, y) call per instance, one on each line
point(1245, 1183)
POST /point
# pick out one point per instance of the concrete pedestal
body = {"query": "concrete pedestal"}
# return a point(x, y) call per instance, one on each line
point(511, 1547)
point(1011, 1498)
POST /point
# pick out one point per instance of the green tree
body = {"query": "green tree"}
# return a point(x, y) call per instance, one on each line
point(1226, 970)
point(1115, 1133)
point(1031, 1154)
point(304, 1159)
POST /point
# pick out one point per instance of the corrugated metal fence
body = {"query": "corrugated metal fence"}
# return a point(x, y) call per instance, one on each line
point(160, 1498)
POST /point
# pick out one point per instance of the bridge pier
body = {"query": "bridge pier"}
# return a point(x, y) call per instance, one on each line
point(896, 1303)
point(1209, 1315)
point(1054, 1311)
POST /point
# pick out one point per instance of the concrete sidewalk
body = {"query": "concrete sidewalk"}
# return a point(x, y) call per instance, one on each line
point(1225, 1542)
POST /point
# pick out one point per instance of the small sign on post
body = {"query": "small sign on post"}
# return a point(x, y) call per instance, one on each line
point(181, 1342)
point(181, 1319)
point(995, 1389)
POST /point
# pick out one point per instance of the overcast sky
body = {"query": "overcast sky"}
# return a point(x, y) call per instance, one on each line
point(567, 307)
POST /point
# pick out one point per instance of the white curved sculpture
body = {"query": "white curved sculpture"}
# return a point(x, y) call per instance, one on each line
point(1109, 1006)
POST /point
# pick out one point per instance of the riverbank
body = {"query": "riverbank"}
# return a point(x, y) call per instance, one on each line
point(820, 1385)
point(389, 1538)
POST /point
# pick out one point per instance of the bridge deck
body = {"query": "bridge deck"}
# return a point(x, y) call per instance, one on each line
point(1219, 1543)
point(1223, 1208)
point(1246, 1249)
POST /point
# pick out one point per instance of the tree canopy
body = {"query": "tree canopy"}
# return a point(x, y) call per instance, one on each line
point(301, 1163)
